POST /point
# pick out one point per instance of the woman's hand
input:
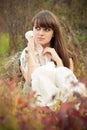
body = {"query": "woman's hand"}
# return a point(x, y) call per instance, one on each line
point(54, 55)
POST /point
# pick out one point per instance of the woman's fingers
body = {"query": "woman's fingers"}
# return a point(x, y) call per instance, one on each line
point(48, 50)
point(52, 52)
point(54, 56)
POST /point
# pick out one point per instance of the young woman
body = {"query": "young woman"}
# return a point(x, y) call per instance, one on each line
point(45, 62)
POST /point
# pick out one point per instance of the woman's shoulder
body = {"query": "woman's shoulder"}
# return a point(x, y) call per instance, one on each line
point(23, 55)
point(25, 50)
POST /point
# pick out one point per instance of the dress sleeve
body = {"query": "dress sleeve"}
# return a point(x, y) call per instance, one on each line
point(23, 60)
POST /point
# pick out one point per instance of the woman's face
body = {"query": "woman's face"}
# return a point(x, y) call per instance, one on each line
point(42, 35)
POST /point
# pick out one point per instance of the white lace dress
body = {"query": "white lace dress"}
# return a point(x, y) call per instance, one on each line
point(50, 83)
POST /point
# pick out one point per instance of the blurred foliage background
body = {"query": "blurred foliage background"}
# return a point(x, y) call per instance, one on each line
point(15, 20)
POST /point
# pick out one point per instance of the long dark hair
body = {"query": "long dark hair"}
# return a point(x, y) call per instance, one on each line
point(46, 18)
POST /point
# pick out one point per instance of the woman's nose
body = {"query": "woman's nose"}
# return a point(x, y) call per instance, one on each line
point(41, 32)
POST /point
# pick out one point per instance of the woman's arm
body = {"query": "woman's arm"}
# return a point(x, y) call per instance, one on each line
point(31, 67)
point(56, 58)
point(71, 64)
point(31, 64)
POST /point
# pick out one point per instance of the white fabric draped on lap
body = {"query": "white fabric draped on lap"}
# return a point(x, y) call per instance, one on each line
point(51, 83)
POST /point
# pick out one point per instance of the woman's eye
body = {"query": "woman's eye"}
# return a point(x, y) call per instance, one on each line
point(47, 29)
point(37, 28)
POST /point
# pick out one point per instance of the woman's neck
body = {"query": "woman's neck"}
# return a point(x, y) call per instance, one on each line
point(43, 46)
point(47, 45)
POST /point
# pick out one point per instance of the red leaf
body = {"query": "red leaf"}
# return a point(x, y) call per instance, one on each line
point(66, 106)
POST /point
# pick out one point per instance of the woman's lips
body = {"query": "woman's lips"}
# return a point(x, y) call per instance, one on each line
point(40, 38)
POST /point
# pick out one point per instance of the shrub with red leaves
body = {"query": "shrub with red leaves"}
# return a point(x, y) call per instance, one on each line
point(16, 112)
